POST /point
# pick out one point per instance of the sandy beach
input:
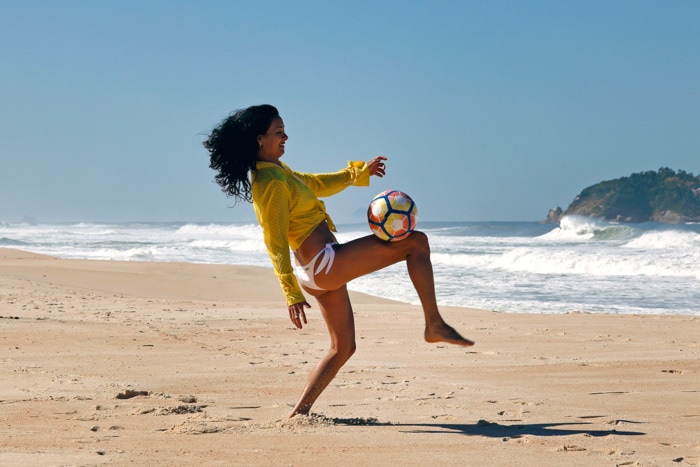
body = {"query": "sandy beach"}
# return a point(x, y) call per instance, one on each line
point(118, 363)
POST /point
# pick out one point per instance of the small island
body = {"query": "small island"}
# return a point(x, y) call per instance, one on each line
point(664, 195)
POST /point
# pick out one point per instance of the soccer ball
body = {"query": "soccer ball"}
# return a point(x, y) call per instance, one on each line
point(392, 215)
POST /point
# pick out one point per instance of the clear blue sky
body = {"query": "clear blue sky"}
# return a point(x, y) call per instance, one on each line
point(487, 110)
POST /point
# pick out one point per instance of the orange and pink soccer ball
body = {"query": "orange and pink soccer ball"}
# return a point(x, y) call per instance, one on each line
point(392, 215)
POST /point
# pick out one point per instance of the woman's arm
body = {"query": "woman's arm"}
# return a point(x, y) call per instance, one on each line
point(355, 174)
point(272, 209)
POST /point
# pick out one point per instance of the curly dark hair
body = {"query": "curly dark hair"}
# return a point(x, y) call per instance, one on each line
point(233, 148)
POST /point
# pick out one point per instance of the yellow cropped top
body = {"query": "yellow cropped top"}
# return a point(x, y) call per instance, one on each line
point(288, 209)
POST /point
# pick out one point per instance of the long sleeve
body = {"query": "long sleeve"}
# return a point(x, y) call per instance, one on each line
point(274, 217)
point(328, 184)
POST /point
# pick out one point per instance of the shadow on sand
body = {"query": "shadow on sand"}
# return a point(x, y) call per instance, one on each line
point(496, 430)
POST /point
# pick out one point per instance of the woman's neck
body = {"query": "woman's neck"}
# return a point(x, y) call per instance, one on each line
point(271, 160)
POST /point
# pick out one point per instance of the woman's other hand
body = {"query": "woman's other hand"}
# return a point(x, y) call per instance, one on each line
point(377, 166)
point(297, 315)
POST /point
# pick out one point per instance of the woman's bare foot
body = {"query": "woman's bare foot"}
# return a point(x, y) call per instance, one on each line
point(295, 413)
point(445, 333)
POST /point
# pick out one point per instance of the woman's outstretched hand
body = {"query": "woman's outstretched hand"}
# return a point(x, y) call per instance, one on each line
point(377, 166)
point(296, 313)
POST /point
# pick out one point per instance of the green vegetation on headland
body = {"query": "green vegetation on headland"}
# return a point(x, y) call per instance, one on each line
point(661, 196)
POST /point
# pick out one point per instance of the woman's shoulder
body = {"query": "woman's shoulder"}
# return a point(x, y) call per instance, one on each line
point(267, 174)
point(269, 170)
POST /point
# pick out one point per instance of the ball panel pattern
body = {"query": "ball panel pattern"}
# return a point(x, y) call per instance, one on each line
point(392, 215)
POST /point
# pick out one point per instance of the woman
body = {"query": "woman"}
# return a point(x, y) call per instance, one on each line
point(286, 205)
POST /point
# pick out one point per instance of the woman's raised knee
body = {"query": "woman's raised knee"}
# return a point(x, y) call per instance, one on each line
point(419, 242)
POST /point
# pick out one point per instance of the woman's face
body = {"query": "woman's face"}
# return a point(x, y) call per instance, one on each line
point(272, 142)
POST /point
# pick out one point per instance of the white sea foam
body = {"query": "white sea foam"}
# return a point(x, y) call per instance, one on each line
point(583, 264)
point(575, 226)
point(578, 228)
point(667, 239)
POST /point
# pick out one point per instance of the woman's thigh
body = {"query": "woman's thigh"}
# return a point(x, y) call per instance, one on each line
point(337, 313)
point(365, 255)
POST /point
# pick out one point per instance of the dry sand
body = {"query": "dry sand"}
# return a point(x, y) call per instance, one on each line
point(116, 363)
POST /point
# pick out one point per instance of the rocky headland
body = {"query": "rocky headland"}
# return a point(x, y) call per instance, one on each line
point(664, 195)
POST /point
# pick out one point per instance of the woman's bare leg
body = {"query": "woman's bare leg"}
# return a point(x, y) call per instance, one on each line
point(337, 312)
point(368, 254)
point(355, 259)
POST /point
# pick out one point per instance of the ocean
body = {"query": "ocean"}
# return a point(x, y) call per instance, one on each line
point(581, 265)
